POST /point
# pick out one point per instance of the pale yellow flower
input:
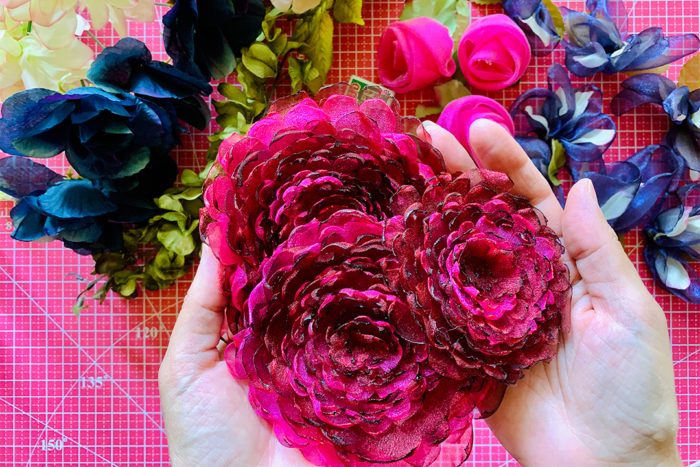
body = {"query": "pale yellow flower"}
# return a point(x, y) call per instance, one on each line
point(41, 12)
point(31, 59)
point(118, 12)
point(297, 6)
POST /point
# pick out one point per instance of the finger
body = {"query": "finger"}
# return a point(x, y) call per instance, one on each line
point(609, 276)
point(496, 149)
point(198, 326)
point(456, 158)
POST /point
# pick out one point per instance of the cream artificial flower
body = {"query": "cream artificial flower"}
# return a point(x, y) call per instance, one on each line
point(42, 12)
point(118, 12)
point(47, 57)
point(297, 6)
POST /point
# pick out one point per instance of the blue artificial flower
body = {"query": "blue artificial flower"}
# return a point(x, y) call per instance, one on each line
point(107, 138)
point(681, 105)
point(598, 41)
point(563, 126)
point(204, 37)
point(77, 212)
point(534, 19)
point(128, 67)
point(673, 239)
point(632, 192)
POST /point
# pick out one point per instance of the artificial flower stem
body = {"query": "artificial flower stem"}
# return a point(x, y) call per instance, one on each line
point(94, 38)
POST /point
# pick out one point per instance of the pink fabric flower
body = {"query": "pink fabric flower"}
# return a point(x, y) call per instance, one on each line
point(414, 54)
point(458, 116)
point(493, 53)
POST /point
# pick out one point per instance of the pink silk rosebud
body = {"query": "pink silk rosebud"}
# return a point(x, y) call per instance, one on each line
point(458, 116)
point(414, 54)
point(493, 53)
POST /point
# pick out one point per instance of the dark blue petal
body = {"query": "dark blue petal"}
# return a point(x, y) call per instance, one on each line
point(642, 89)
point(73, 199)
point(21, 177)
point(587, 60)
point(677, 104)
point(114, 68)
point(672, 272)
point(536, 22)
point(651, 49)
point(32, 124)
point(686, 142)
point(28, 222)
point(205, 37)
point(528, 112)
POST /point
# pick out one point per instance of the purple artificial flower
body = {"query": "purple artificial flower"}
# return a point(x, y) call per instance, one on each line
point(563, 126)
point(598, 41)
point(632, 191)
point(681, 105)
point(533, 17)
point(673, 241)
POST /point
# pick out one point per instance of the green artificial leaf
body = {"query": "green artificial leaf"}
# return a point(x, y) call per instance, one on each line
point(557, 18)
point(348, 11)
point(232, 92)
point(109, 263)
point(463, 20)
point(177, 217)
point(260, 60)
point(450, 91)
point(169, 203)
point(556, 163)
point(423, 111)
point(690, 73)
point(446, 12)
point(485, 2)
point(190, 178)
point(319, 50)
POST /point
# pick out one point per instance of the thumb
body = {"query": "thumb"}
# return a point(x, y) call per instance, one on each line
point(608, 275)
point(198, 327)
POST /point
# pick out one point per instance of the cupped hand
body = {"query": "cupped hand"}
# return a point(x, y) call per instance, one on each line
point(208, 419)
point(607, 397)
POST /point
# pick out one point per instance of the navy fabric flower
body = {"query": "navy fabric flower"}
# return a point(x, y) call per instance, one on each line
point(107, 138)
point(598, 41)
point(681, 105)
point(534, 19)
point(77, 212)
point(631, 192)
point(128, 67)
point(673, 239)
point(562, 126)
point(205, 37)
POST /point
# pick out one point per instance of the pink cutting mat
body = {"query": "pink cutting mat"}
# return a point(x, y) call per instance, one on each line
point(83, 391)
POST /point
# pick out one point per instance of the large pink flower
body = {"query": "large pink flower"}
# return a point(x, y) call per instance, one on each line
point(414, 54)
point(458, 116)
point(493, 53)
point(306, 160)
point(315, 216)
point(486, 273)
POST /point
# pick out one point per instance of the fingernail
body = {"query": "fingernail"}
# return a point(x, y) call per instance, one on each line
point(589, 189)
point(425, 129)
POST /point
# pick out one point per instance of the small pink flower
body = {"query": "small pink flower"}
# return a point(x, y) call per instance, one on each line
point(458, 116)
point(493, 53)
point(414, 54)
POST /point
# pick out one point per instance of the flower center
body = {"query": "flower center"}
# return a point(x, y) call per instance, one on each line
point(485, 272)
point(364, 343)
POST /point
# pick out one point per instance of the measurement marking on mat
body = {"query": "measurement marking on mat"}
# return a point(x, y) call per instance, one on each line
point(92, 382)
point(150, 332)
point(53, 444)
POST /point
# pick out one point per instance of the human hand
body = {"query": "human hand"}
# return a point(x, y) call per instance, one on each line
point(208, 419)
point(607, 397)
